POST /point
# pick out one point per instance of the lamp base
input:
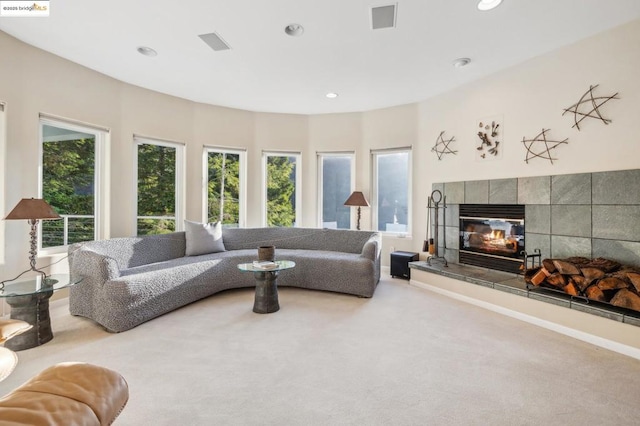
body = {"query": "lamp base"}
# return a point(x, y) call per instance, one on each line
point(32, 254)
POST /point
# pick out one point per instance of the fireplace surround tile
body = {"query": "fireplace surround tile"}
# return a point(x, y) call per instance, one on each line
point(571, 189)
point(616, 222)
point(453, 237)
point(476, 192)
point(534, 241)
point(570, 246)
point(538, 219)
point(452, 215)
point(454, 191)
point(614, 187)
point(534, 190)
point(503, 191)
point(570, 220)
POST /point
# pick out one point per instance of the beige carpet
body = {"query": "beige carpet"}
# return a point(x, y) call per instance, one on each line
point(405, 357)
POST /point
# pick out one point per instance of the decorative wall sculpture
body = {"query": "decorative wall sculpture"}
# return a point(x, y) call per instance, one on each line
point(490, 138)
point(442, 146)
point(589, 101)
point(543, 146)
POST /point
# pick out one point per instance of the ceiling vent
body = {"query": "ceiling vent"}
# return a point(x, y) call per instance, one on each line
point(215, 41)
point(383, 17)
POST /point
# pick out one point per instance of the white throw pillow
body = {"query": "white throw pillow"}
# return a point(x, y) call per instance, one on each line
point(203, 238)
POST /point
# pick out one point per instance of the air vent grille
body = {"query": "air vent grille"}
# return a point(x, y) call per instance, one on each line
point(498, 211)
point(383, 17)
point(215, 41)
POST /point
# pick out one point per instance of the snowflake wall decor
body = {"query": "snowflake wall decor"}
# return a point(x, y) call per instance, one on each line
point(589, 101)
point(442, 146)
point(542, 152)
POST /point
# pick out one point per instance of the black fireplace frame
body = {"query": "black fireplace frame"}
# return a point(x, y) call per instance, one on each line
point(487, 260)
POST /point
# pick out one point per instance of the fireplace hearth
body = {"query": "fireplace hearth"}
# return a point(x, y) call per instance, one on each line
point(492, 236)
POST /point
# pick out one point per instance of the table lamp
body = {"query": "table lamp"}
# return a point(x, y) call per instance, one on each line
point(33, 210)
point(357, 199)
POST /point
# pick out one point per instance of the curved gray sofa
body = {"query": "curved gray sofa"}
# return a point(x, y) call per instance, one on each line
point(127, 281)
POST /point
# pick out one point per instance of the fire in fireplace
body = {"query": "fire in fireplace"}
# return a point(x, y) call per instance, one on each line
point(492, 236)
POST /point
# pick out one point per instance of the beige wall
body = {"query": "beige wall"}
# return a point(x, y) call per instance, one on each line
point(529, 96)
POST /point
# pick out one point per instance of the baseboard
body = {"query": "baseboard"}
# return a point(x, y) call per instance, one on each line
point(567, 331)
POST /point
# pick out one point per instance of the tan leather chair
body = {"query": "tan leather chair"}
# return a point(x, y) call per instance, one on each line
point(70, 393)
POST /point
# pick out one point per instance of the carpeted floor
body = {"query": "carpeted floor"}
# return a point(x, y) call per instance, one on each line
point(405, 357)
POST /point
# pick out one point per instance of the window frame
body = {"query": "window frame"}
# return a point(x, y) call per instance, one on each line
point(374, 188)
point(298, 183)
point(3, 152)
point(242, 196)
point(100, 178)
point(180, 179)
point(321, 156)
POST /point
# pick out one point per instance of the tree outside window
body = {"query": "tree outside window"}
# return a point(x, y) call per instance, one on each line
point(281, 190)
point(157, 187)
point(224, 187)
point(68, 185)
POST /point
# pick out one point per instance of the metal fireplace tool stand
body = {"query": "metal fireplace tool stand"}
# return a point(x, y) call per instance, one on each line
point(434, 203)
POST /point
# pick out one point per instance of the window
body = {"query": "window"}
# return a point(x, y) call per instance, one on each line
point(392, 190)
point(281, 188)
point(72, 165)
point(160, 186)
point(335, 184)
point(224, 197)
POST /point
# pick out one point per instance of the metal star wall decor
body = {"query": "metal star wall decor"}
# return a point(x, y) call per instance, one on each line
point(589, 101)
point(442, 146)
point(548, 146)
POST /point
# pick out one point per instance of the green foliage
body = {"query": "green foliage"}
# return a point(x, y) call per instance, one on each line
point(224, 188)
point(281, 179)
point(156, 180)
point(68, 169)
point(68, 175)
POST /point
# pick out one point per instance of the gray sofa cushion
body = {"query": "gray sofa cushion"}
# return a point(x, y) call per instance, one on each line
point(202, 238)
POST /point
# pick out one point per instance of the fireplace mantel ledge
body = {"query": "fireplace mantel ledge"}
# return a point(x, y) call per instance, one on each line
point(621, 335)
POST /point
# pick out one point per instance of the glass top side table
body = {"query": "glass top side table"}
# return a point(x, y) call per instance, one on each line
point(266, 299)
point(29, 301)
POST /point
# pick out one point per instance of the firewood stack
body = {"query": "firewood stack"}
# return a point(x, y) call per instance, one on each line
point(597, 279)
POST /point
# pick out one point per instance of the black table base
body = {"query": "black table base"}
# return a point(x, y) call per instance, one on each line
point(266, 299)
point(34, 309)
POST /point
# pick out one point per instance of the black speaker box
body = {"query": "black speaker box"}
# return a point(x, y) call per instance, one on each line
point(400, 263)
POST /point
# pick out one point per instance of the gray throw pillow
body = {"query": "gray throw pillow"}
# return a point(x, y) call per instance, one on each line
point(203, 238)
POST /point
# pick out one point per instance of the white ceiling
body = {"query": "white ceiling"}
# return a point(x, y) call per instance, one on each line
point(267, 70)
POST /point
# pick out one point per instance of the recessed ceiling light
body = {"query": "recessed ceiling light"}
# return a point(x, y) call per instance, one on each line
point(294, 30)
point(147, 51)
point(461, 62)
point(485, 5)
point(331, 95)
